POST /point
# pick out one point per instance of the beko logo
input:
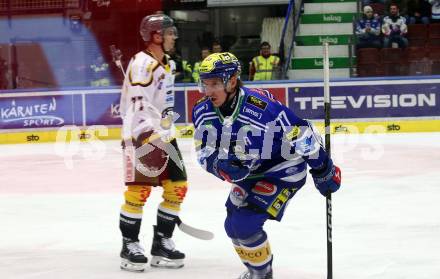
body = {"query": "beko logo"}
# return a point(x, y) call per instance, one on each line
point(369, 101)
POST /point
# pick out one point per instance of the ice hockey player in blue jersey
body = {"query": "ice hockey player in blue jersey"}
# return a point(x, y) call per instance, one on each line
point(248, 138)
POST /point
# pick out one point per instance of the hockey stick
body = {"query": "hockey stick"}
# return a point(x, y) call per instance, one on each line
point(117, 55)
point(327, 108)
point(194, 232)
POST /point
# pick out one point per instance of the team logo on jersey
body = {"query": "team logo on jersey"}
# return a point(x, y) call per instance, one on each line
point(238, 195)
point(256, 102)
point(264, 188)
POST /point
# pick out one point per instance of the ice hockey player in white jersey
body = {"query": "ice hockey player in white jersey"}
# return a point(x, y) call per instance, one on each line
point(150, 152)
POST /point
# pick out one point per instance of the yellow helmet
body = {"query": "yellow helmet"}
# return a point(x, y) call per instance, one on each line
point(220, 65)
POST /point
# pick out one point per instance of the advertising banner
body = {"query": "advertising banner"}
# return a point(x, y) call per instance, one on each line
point(40, 111)
point(103, 109)
point(368, 101)
point(362, 101)
point(179, 106)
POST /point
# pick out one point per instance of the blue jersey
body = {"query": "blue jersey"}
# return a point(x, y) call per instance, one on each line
point(275, 143)
point(363, 23)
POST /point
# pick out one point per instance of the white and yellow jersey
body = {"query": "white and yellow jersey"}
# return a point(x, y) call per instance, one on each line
point(147, 99)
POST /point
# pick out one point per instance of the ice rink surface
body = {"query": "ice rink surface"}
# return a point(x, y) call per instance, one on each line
point(59, 209)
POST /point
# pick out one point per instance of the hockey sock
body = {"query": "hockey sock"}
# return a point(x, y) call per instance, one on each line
point(166, 222)
point(131, 211)
point(173, 195)
point(130, 226)
point(255, 252)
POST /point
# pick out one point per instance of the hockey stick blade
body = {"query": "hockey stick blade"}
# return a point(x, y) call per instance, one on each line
point(194, 232)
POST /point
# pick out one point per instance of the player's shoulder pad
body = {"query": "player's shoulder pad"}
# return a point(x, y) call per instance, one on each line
point(141, 69)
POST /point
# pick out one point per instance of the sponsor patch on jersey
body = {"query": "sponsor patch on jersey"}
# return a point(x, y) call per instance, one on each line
point(257, 102)
point(264, 188)
point(201, 100)
point(169, 99)
point(279, 202)
point(200, 109)
point(238, 195)
point(293, 134)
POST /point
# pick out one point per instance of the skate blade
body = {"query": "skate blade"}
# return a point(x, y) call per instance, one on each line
point(162, 262)
point(133, 267)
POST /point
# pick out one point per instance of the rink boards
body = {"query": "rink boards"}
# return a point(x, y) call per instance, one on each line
point(358, 106)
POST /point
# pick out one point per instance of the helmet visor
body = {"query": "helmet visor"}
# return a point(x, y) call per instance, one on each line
point(211, 85)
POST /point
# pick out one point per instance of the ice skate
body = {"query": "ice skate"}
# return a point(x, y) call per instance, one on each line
point(164, 253)
point(248, 275)
point(132, 256)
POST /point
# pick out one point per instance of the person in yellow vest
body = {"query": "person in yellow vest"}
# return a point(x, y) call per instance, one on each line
point(205, 52)
point(187, 71)
point(263, 66)
point(100, 72)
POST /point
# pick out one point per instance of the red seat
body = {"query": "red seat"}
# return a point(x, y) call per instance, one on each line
point(420, 68)
point(434, 31)
point(369, 70)
point(433, 42)
point(392, 55)
point(435, 68)
point(417, 34)
point(395, 68)
point(434, 58)
point(434, 53)
point(378, 8)
point(367, 60)
point(367, 55)
point(415, 53)
point(417, 31)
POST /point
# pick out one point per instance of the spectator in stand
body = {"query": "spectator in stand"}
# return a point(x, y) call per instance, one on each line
point(419, 11)
point(435, 16)
point(100, 72)
point(401, 5)
point(368, 30)
point(264, 66)
point(196, 75)
point(216, 47)
point(394, 29)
